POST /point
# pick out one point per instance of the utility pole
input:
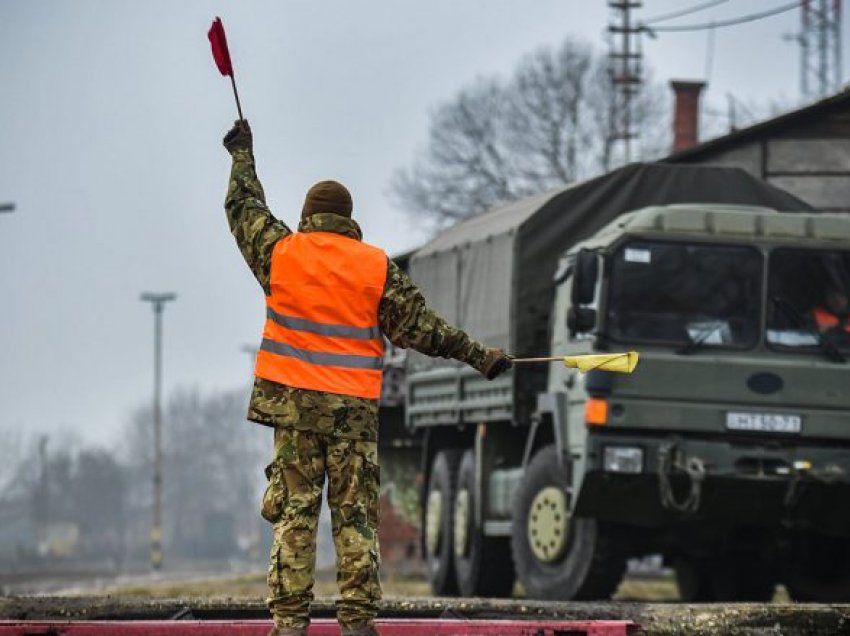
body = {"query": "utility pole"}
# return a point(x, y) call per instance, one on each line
point(251, 350)
point(158, 303)
point(625, 71)
point(820, 47)
point(256, 534)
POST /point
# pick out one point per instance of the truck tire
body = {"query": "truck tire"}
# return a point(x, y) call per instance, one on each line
point(557, 557)
point(438, 526)
point(729, 577)
point(819, 570)
point(743, 577)
point(693, 580)
point(483, 564)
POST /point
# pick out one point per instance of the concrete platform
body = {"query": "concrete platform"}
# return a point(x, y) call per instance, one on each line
point(651, 619)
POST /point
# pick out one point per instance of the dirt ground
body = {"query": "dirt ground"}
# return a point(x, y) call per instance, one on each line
point(253, 586)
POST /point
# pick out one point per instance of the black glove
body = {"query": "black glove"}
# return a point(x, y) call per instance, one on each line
point(495, 363)
point(239, 137)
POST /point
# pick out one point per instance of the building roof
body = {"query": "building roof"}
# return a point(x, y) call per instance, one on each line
point(768, 126)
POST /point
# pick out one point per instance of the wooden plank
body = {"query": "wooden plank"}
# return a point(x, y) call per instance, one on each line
point(823, 192)
point(321, 627)
point(809, 155)
point(747, 157)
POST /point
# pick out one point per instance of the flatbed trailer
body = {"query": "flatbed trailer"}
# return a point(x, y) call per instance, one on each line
point(97, 616)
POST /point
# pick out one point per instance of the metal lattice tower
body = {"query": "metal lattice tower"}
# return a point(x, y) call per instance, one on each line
point(820, 47)
point(625, 70)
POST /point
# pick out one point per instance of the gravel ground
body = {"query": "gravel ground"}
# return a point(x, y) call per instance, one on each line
point(654, 619)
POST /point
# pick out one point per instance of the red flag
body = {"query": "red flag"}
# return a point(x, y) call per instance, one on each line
point(220, 52)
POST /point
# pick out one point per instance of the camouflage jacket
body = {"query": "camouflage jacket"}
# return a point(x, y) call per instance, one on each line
point(403, 316)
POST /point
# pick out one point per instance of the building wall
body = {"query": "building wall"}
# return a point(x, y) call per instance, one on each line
point(810, 159)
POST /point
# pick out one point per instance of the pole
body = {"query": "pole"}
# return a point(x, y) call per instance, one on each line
point(251, 350)
point(236, 95)
point(158, 304)
point(256, 534)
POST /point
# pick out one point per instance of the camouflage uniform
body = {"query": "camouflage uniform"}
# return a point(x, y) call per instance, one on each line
point(318, 433)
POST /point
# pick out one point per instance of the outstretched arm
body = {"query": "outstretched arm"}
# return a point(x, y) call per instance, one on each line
point(408, 322)
point(253, 226)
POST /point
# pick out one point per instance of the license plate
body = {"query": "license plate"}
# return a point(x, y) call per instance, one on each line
point(764, 422)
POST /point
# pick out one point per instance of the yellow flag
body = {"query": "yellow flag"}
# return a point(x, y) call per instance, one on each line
point(614, 362)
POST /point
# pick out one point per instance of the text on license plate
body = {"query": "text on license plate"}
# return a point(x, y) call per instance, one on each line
point(764, 422)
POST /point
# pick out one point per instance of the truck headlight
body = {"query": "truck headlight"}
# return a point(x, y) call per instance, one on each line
point(622, 459)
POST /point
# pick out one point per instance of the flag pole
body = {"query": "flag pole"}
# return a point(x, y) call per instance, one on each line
point(236, 95)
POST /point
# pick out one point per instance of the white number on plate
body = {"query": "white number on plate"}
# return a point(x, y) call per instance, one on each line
point(767, 422)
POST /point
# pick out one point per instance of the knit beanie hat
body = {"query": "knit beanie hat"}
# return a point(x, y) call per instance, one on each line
point(327, 196)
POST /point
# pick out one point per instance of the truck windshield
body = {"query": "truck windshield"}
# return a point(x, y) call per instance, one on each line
point(680, 293)
point(814, 288)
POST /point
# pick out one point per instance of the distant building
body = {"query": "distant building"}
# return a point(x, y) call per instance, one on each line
point(805, 151)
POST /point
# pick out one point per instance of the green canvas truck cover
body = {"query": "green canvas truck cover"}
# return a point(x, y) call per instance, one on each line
point(492, 274)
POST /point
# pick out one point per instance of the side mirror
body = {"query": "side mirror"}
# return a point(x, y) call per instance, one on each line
point(580, 319)
point(584, 277)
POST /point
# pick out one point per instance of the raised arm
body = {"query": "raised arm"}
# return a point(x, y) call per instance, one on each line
point(253, 226)
point(408, 322)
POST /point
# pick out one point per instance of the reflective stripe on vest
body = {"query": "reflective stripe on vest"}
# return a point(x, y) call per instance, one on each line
point(321, 329)
point(826, 319)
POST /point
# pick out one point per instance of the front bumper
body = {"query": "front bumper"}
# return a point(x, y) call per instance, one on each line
point(746, 482)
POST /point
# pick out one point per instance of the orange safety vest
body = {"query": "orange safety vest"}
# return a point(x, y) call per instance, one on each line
point(826, 319)
point(321, 329)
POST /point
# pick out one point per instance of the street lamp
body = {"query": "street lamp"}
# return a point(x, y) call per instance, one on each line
point(158, 303)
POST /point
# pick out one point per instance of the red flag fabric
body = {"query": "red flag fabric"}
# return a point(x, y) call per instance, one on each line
point(220, 52)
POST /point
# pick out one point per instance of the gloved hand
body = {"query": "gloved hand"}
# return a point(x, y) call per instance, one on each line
point(495, 363)
point(239, 137)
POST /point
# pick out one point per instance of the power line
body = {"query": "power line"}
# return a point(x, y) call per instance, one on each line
point(679, 14)
point(724, 23)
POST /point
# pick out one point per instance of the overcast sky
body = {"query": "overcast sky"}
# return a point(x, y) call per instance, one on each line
point(112, 115)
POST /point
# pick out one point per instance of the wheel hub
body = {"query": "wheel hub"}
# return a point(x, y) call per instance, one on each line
point(433, 515)
point(548, 522)
point(462, 523)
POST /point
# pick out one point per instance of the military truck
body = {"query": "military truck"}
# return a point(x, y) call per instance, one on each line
point(727, 451)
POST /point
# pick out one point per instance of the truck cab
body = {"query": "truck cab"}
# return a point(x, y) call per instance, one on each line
point(727, 450)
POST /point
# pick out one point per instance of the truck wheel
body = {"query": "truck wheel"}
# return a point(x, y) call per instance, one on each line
point(728, 577)
point(819, 570)
point(483, 564)
point(693, 580)
point(439, 523)
point(743, 577)
point(556, 556)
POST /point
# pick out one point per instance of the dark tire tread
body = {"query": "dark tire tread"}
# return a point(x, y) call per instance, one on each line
point(441, 566)
point(489, 569)
point(595, 549)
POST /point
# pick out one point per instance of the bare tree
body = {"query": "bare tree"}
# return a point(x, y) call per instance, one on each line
point(10, 453)
point(212, 470)
point(549, 124)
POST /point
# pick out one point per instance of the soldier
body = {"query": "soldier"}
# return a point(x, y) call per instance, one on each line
point(330, 301)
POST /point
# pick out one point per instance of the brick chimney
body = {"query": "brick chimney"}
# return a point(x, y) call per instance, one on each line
point(686, 116)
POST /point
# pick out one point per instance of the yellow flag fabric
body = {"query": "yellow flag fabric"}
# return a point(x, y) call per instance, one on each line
point(614, 362)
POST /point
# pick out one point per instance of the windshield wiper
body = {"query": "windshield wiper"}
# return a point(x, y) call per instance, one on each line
point(695, 344)
point(792, 313)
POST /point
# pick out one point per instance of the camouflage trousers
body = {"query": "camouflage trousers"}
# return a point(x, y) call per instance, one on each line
point(292, 502)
